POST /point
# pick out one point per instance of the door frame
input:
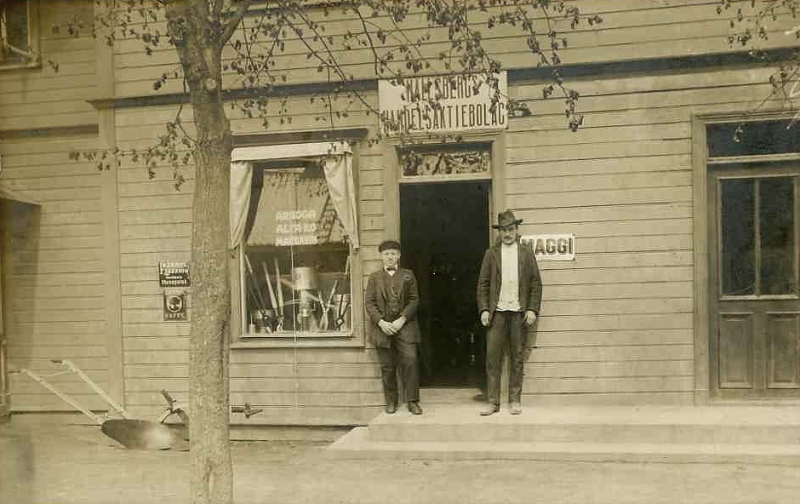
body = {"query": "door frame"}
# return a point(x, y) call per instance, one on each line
point(393, 179)
point(701, 233)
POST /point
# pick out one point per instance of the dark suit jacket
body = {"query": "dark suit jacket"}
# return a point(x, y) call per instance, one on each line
point(375, 302)
point(490, 281)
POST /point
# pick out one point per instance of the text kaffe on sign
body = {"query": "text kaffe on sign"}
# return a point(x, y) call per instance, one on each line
point(444, 103)
point(552, 247)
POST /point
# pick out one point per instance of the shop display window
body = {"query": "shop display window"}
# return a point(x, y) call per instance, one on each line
point(296, 255)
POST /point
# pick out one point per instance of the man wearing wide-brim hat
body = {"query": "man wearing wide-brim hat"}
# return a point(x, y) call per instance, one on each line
point(509, 297)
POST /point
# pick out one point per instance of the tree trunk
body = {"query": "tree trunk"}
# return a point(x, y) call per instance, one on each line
point(200, 53)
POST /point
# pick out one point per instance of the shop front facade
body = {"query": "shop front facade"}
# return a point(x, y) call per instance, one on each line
point(668, 251)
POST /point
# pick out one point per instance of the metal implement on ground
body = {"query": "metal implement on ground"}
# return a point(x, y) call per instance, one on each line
point(131, 432)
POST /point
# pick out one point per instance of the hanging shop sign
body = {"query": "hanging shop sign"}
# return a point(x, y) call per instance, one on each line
point(552, 247)
point(175, 306)
point(173, 274)
point(444, 104)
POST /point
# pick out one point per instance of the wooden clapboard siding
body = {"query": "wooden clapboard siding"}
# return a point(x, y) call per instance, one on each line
point(614, 337)
point(54, 282)
point(619, 319)
point(633, 31)
point(44, 97)
point(155, 225)
point(616, 291)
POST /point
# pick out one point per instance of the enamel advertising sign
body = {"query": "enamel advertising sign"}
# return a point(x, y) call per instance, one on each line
point(552, 247)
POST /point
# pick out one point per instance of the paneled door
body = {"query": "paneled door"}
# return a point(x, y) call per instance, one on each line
point(755, 309)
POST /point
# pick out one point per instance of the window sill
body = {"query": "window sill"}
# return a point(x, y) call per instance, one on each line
point(765, 297)
point(300, 335)
point(30, 65)
point(306, 340)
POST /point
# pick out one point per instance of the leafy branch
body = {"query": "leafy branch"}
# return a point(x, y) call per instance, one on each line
point(257, 39)
point(751, 23)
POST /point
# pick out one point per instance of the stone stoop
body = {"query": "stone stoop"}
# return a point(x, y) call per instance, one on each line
point(666, 434)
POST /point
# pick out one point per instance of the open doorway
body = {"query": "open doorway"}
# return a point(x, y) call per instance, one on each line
point(444, 232)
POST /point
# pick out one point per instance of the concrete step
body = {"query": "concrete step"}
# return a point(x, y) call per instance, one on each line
point(357, 444)
point(771, 425)
point(764, 434)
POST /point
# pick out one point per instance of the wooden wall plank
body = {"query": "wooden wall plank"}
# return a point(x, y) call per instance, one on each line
point(612, 354)
point(616, 321)
point(618, 291)
point(614, 337)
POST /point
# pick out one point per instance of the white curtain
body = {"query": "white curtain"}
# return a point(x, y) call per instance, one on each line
point(338, 163)
point(339, 176)
point(241, 181)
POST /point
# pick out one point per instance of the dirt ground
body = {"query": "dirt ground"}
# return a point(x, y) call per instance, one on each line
point(78, 464)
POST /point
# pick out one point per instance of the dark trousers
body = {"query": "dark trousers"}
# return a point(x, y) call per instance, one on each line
point(400, 355)
point(505, 326)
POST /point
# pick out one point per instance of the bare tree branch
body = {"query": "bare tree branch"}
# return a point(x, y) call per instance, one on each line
point(232, 24)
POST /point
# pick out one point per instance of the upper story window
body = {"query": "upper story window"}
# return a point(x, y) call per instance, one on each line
point(297, 231)
point(19, 32)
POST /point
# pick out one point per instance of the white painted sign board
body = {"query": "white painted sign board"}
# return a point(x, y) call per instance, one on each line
point(443, 104)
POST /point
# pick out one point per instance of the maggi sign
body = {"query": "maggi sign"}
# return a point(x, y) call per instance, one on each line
point(551, 247)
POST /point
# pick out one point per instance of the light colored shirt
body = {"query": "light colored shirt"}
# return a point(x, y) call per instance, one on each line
point(509, 275)
point(390, 272)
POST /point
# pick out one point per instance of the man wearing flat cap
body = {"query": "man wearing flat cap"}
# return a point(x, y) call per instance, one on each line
point(509, 296)
point(392, 300)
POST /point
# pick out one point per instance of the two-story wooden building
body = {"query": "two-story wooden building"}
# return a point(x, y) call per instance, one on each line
point(675, 280)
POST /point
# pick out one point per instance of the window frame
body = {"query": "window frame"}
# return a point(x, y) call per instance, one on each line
point(34, 38)
point(775, 170)
point(355, 337)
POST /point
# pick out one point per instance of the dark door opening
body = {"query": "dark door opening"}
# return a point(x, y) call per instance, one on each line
point(444, 232)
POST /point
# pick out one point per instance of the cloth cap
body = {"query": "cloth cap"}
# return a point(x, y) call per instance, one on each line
point(389, 245)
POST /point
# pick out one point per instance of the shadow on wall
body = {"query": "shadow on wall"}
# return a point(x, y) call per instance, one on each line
point(19, 258)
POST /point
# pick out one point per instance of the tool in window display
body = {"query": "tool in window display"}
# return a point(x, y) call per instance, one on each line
point(262, 307)
point(343, 302)
point(304, 279)
point(273, 321)
point(341, 313)
point(327, 307)
point(280, 294)
point(260, 317)
point(272, 300)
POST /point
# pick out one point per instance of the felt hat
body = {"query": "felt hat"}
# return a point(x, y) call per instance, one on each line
point(505, 219)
